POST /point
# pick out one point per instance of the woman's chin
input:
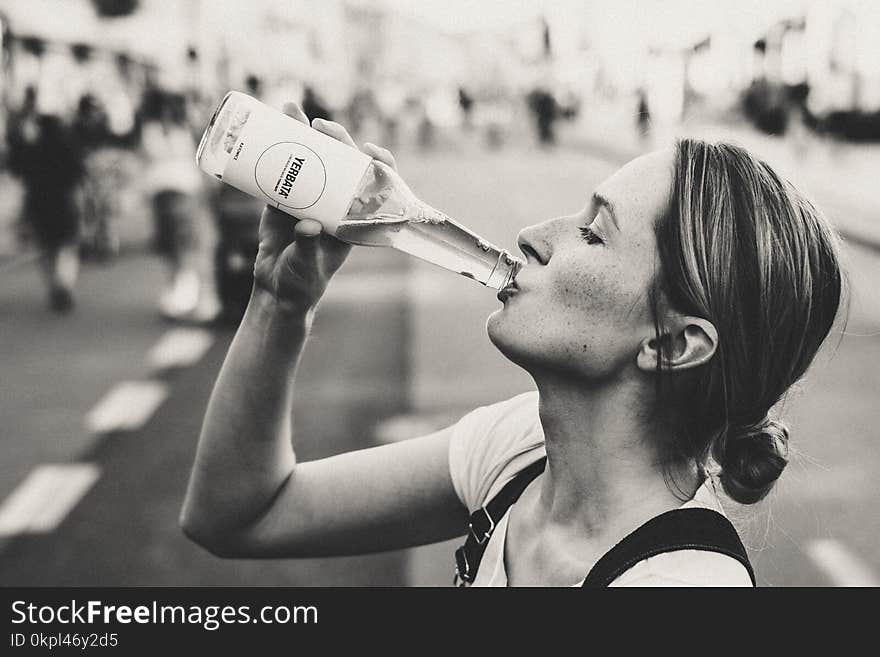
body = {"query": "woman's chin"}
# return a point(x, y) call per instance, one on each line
point(502, 334)
point(494, 325)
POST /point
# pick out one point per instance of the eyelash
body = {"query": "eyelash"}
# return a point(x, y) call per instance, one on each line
point(589, 236)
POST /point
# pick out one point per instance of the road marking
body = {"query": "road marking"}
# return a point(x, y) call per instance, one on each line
point(127, 406)
point(841, 565)
point(180, 347)
point(45, 497)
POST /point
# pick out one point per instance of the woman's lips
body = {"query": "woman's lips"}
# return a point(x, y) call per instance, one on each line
point(507, 291)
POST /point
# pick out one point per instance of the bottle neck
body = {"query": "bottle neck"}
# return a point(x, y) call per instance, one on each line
point(505, 271)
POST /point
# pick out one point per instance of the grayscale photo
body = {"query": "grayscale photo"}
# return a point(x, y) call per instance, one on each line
point(437, 293)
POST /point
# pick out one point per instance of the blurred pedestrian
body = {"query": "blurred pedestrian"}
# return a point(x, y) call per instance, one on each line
point(103, 179)
point(45, 154)
point(544, 109)
point(643, 115)
point(254, 85)
point(466, 103)
point(173, 185)
point(659, 340)
point(21, 127)
point(390, 99)
point(22, 122)
point(314, 106)
point(495, 117)
point(426, 131)
point(237, 239)
point(362, 112)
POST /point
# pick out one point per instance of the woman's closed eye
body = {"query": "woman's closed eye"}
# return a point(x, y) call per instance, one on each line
point(590, 236)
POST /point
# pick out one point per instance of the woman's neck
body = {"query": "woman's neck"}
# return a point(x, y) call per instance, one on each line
point(604, 472)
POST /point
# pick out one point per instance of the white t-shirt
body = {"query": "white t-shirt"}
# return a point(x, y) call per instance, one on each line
point(491, 444)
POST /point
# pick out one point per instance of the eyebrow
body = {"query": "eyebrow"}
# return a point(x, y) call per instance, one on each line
point(601, 201)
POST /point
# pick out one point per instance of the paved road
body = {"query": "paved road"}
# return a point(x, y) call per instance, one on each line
point(124, 530)
point(397, 346)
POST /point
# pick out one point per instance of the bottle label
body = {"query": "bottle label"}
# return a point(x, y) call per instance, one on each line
point(295, 168)
point(299, 175)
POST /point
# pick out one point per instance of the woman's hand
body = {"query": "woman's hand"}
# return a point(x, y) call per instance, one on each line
point(296, 259)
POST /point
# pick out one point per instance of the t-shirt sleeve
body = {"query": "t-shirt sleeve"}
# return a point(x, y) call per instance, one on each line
point(486, 442)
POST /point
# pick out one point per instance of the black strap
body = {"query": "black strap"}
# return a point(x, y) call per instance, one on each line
point(679, 529)
point(483, 521)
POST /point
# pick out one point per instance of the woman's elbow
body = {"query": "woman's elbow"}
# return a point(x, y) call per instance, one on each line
point(210, 538)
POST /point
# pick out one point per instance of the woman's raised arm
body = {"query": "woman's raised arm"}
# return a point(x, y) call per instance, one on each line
point(247, 496)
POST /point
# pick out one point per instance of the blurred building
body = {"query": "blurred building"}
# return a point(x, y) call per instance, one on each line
point(675, 52)
point(843, 49)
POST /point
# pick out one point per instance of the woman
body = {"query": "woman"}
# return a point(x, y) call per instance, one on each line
point(660, 324)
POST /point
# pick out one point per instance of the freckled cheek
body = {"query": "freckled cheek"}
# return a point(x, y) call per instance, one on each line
point(588, 291)
point(594, 303)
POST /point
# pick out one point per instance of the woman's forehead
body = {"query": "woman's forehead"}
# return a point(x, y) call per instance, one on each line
point(640, 189)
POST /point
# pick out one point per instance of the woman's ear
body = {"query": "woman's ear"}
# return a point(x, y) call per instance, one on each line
point(688, 342)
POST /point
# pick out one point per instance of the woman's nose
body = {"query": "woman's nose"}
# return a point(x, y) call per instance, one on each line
point(534, 243)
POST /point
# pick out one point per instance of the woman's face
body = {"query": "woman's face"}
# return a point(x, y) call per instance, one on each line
point(581, 306)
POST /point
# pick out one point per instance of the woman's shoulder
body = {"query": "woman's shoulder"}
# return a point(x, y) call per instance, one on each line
point(491, 444)
point(686, 568)
point(692, 567)
point(506, 422)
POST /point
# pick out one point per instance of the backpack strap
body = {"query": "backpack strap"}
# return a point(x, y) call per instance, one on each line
point(483, 521)
point(679, 529)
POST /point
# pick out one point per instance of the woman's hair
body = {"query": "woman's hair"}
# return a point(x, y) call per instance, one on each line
point(741, 247)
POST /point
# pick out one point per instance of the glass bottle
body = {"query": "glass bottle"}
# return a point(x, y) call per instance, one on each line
point(309, 175)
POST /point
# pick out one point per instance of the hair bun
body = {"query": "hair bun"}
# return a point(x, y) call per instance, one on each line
point(752, 458)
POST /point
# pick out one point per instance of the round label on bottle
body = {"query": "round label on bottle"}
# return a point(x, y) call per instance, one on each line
point(291, 175)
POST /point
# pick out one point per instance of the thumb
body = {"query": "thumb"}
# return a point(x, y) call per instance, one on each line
point(333, 250)
point(302, 253)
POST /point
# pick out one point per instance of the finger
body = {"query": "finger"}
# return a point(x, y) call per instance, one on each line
point(275, 215)
point(276, 229)
point(279, 222)
point(381, 154)
point(308, 228)
point(333, 129)
point(292, 109)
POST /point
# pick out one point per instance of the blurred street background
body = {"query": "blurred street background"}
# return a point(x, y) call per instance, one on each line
point(123, 268)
